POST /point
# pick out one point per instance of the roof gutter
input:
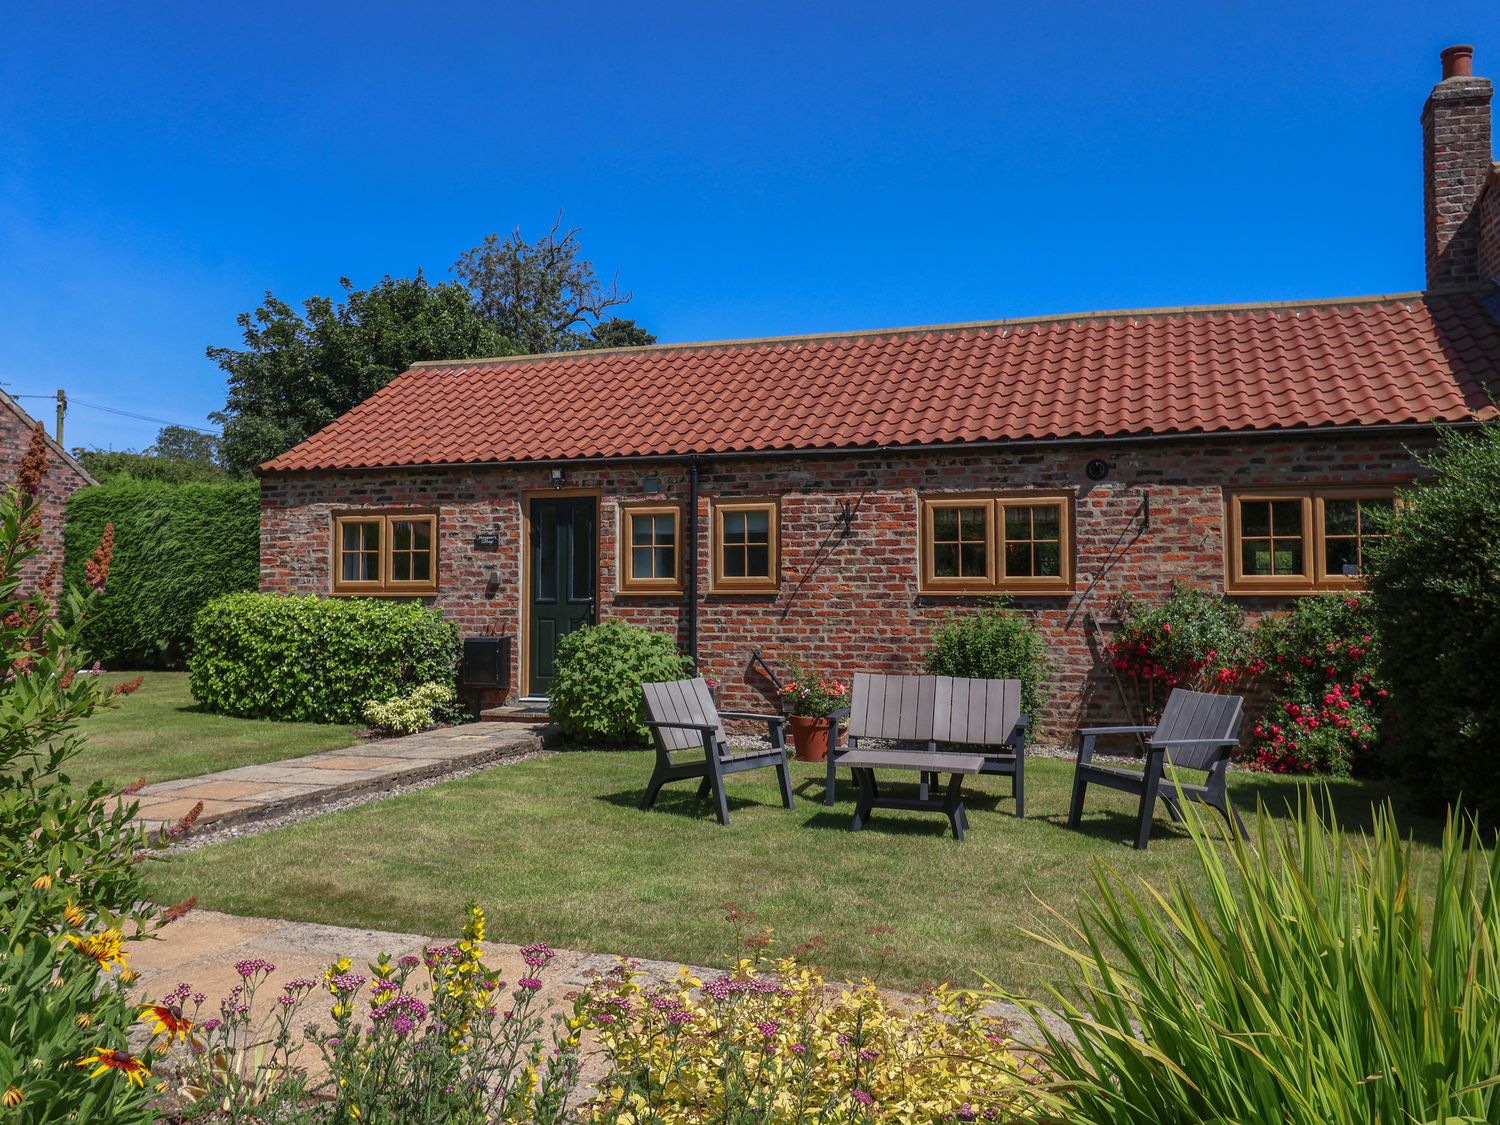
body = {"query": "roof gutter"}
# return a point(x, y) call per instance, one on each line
point(1365, 430)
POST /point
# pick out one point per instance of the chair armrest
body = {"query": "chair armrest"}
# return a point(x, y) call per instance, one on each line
point(751, 715)
point(1172, 742)
point(712, 728)
point(841, 713)
point(1114, 730)
point(1023, 721)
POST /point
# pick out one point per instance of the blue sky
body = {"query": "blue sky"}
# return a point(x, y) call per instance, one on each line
point(747, 169)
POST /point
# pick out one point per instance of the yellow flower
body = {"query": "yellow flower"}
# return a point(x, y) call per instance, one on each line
point(104, 947)
point(14, 1096)
point(85, 1020)
point(167, 1020)
point(42, 883)
point(74, 917)
point(106, 1059)
point(129, 976)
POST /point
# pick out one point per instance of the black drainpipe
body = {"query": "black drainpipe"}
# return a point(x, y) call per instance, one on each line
point(692, 563)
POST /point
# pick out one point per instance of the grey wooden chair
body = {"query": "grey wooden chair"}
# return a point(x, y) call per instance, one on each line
point(1198, 731)
point(690, 742)
point(926, 711)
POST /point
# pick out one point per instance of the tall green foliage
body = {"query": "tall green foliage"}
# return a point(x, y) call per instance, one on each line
point(1319, 980)
point(71, 894)
point(993, 643)
point(265, 656)
point(179, 545)
point(596, 694)
point(1437, 603)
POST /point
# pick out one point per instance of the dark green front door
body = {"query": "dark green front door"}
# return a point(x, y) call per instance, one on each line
point(564, 560)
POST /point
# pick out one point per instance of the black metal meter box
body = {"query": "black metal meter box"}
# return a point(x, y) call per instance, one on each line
point(486, 663)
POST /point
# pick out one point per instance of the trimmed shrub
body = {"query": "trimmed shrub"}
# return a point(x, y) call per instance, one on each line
point(176, 547)
point(1436, 583)
point(266, 656)
point(596, 693)
point(415, 711)
point(992, 643)
point(1326, 700)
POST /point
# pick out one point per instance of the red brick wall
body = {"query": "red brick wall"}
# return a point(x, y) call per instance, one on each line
point(1489, 228)
point(62, 480)
point(1456, 159)
point(845, 604)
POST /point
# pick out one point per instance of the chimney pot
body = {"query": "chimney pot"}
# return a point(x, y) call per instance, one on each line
point(1458, 61)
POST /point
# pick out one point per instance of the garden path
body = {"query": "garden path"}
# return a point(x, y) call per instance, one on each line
point(249, 793)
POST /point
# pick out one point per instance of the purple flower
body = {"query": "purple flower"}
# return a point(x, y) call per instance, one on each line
point(798, 1048)
point(210, 1025)
point(287, 1000)
point(529, 983)
point(679, 1016)
point(347, 982)
point(605, 1018)
point(861, 1097)
point(767, 1028)
point(248, 969)
point(200, 998)
point(869, 1054)
point(410, 961)
point(966, 1113)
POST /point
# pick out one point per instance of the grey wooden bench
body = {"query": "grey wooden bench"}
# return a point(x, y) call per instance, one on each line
point(688, 731)
point(929, 712)
point(1198, 731)
point(864, 763)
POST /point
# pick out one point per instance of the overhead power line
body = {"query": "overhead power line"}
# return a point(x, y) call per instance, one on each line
point(124, 413)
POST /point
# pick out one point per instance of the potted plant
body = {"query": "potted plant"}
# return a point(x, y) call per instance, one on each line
point(809, 700)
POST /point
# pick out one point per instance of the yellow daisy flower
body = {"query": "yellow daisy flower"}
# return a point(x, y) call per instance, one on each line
point(104, 1059)
point(104, 947)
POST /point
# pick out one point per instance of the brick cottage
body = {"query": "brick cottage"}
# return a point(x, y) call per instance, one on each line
point(64, 477)
point(829, 499)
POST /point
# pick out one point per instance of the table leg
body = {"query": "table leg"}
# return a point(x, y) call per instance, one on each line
point(953, 805)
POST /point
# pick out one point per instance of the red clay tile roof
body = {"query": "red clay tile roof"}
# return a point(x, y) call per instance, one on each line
point(1413, 358)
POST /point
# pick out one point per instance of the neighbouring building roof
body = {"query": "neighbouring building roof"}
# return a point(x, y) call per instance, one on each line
point(1406, 359)
point(54, 450)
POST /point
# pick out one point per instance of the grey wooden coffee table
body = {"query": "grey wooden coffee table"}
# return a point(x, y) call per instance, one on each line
point(864, 763)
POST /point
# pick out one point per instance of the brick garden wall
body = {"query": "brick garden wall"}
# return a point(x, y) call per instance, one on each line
point(845, 604)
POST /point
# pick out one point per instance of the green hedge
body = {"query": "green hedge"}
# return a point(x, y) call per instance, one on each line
point(176, 547)
point(315, 659)
point(596, 694)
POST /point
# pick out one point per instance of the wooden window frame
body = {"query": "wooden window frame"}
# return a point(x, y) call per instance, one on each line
point(627, 582)
point(996, 580)
point(718, 583)
point(1314, 577)
point(385, 586)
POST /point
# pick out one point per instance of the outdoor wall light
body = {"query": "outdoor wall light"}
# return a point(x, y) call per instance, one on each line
point(492, 582)
point(557, 478)
point(652, 483)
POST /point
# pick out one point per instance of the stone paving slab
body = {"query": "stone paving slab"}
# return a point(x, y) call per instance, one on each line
point(245, 793)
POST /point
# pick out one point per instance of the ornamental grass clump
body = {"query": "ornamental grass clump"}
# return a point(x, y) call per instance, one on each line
point(71, 895)
point(1319, 979)
point(770, 1041)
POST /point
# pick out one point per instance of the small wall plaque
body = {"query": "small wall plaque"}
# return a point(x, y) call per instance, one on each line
point(490, 542)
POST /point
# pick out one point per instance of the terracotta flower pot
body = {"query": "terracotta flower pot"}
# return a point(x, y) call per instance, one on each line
point(810, 737)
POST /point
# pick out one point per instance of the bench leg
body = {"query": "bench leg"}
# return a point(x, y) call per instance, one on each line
point(1149, 795)
point(704, 786)
point(1018, 787)
point(832, 780)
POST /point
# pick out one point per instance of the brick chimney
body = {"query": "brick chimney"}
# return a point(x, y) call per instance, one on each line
point(1456, 162)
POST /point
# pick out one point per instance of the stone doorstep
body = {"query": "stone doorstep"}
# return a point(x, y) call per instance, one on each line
point(292, 787)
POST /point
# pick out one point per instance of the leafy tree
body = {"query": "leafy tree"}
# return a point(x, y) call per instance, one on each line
point(541, 295)
point(617, 332)
point(300, 371)
point(178, 455)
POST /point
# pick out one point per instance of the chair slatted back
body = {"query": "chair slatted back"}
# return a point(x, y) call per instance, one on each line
point(892, 707)
point(1198, 715)
point(976, 712)
point(680, 701)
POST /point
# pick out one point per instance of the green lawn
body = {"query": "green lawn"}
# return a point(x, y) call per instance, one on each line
point(159, 733)
point(556, 851)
